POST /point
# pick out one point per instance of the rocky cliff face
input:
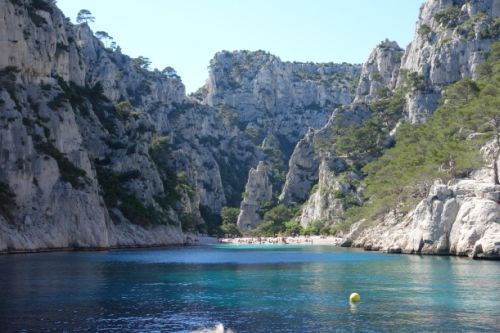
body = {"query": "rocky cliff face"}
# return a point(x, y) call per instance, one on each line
point(76, 138)
point(258, 191)
point(449, 43)
point(275, 103)
point(328, 199)
point(276, 97)
point(379, 73)
point(461, 218)
point(99, 151)
point(451, 40)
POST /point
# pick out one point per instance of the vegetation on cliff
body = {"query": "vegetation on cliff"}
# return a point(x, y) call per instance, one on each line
point(445, 147)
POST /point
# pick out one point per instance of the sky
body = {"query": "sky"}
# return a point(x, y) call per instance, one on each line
point(185, 34)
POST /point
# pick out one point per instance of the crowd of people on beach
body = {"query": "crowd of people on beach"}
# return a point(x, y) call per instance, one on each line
point(303, 240)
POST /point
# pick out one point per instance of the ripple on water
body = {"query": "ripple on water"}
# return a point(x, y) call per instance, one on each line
point(263, 289)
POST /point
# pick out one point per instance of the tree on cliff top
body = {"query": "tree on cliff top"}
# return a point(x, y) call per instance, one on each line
point(104, 37)
point(84, 16)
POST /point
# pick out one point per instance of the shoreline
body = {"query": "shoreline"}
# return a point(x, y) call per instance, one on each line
point(198, 241)
point(284, 240)
point(242, 241)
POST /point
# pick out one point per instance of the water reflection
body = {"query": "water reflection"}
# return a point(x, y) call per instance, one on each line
point(278, 290)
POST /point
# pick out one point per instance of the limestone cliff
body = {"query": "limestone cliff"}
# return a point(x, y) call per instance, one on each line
point(452, 38)
point(97, 150)
point(379, 73)
point(276, 97)
point(275, 103)
point(449, 43)
point(461, 218)
point(76, 138)
point(258, 190)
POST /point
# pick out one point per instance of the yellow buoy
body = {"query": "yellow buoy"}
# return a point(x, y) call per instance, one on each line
point(354, 297)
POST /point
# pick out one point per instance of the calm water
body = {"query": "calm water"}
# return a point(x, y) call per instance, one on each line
point(266, 289)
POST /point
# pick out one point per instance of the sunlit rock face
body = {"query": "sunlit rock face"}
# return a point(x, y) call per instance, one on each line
point(277, 97)
point(98, 151)
point(460, 218)
point(258, 190)
point(451, 40)
point(80, 123)
point(270, 98)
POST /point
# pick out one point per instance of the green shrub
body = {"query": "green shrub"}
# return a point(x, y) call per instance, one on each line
point(229, 215)
point(189, 223)
point(230, 230)
point(339, 194)
point(212, 220)
point(69, 172)
point(275, 219)
point(449, 16)
point(267, 206)
point(116, 194)
point(424, 30)
point(293, 228)
point(136, 212)
point(9, 73)
point(7, 201)
point(316, 227)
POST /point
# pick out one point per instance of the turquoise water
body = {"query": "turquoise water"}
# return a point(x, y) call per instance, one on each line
point(248, 289)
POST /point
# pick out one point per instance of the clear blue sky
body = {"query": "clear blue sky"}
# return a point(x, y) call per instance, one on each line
point(185, 34)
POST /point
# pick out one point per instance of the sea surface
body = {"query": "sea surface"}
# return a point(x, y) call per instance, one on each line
point(248, 289)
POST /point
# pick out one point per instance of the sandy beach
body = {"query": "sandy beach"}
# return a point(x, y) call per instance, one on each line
point(297, 240)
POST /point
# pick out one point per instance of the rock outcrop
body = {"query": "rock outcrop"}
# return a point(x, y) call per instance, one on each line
point(461, 218)
point(258, 191)
point(379, 71)
point(449, 43)
point(271, 96)
point(331, 196)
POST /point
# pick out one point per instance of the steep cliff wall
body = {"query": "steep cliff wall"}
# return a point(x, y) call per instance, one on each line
point(76, 138)
point(98, 150)
point(452, 39)
point(379, 73)
point(275, 103)
point(276, 97)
